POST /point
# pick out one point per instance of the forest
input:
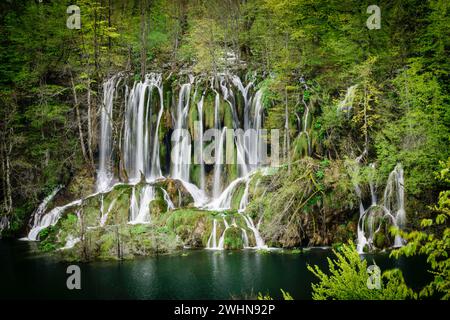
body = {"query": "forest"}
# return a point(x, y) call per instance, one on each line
point(359, 118)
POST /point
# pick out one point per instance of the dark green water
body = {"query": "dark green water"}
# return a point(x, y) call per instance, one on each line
point(202, 274)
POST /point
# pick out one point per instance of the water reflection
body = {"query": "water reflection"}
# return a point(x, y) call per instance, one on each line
point(195, 274)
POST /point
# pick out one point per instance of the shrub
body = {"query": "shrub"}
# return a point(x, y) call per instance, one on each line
point(348, 277)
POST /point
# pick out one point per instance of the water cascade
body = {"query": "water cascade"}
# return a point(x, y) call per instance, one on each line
point(140, 211)
point(391, 211)
point(170, 205)
point(104, 174)
point(138, 128)
point(141, 140)
point(182, 146)
point(212, 242)
point(346, 105)
point(220, 145)
point(71, 241)
point(222, 237)
point(37, 215)
point(49, 219)
point(105, 215)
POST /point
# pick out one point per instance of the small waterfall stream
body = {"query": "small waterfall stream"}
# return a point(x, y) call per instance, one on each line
point(49, 219)
point(392, 209)
point(140, 209)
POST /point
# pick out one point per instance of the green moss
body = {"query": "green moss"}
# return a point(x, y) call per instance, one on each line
point(237, 196)
point(48, 239)
point(380, 240)
point(228, 117)
point(208, 111)
point(193, 226)
point(233, 239)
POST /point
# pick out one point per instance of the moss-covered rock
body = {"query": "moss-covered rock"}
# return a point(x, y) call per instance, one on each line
point(233, 238)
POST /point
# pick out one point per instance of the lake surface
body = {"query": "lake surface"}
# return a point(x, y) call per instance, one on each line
point(195, 274)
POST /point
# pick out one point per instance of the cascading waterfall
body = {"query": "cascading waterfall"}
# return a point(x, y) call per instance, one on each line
point(222, 237)
point(138, 153)
point(140, 211)
point(220, 145)
point(4, 223)
point(49, 219)
point(182, 146)
point(223, 202)
point(200, 151)
point(392, 210)
point(71, 241)
point(346, 105)
point(212, 242)
point(394, 200)
point(105, 215)
point(104, 174)
point(170, 205)
point(141, 140)
point(37, 215)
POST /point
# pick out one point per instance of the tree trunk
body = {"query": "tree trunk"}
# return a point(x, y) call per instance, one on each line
point(286, 128)
point(77, 113)
point(90, 135)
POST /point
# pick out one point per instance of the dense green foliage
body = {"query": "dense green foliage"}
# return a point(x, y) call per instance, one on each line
point(349, 277)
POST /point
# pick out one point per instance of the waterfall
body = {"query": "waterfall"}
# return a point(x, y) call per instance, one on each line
point(259, 241)
point(140, 145)
point(71, 241)
point(223, 202)
point(245, 238)
point(182, 148)
point(199, 152)
point(170, 205)
point(49, 219)
point(245, 94)
point(346, 105)
point(139, 150)
point(199, 196)
point(37, 214)
point(134, 206)
point(222, 237)
point(4, 224)
point(219, 161)
point(212, 243)
point(392, 208)
point(105, 215)
point(140, 212)
point(254, 142)
point(394, 199)
point(104, 174)
point(141, 140)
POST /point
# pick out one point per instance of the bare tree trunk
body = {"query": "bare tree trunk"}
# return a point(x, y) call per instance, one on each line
point(90, 134)
point(4, 186)
point(77, 112)
point(286, 128)
point(6, 164)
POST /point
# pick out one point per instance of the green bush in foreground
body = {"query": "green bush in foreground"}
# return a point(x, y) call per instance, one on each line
point(286, 296)
point(434, 243)
point(348, 280)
